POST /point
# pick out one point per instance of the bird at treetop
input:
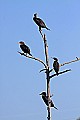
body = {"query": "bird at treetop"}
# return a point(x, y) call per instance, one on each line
point(39, 22)
point(56, 65)
point(24, 48)
point(45, 99)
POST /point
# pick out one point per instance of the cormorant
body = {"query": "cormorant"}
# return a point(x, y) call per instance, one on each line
point(24, 48)
point(56, 65)
point(39, 22)
point(45, 99)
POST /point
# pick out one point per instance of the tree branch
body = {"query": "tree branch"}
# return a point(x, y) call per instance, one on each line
point(51, 95)
point(37, 59)
point(77, 59)
point(59, 73)
point(42, 70)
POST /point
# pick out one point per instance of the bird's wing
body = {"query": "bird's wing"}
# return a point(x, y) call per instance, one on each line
point(40, 21)
point(26, 48)
point(45, 100)
point(56, 65)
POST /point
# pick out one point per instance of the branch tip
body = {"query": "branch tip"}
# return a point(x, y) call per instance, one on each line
point(42, 70)
point(77, 59)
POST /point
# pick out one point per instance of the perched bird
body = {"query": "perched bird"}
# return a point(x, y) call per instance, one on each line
point(45, 99)
point(56, 65)
point(24, 48)
point(39, 22)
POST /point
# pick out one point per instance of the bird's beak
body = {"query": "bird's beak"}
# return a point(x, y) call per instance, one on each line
point(52, 57)
point(40, 94)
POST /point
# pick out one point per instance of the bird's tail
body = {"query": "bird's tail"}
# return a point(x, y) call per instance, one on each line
point(57, 73)
point(47, 28)
point(56, 108)
point(30, 54)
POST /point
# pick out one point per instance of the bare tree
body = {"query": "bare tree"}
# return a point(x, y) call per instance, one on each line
point(48, 70)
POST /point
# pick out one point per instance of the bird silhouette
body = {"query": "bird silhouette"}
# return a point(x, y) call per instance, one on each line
point(45, 99)
point(39, 22)
point(24, 48)
point(56, 65)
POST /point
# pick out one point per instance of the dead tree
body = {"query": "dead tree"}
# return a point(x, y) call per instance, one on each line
point(48, 70)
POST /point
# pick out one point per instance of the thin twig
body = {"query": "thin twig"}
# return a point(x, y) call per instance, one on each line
point(42, 70)
point(45, 69)
point(51, 95)
point(60, 73)
point(77, 59)
point(33, 58)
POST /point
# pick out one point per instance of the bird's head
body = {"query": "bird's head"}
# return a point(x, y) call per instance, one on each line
point(43, 94)
point(21, 43)
point(55, 59)
point(35, 15)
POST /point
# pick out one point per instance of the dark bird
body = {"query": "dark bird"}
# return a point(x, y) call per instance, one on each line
point(45, 99)
point(24, 48)
point(56, 65)
point(39, 22)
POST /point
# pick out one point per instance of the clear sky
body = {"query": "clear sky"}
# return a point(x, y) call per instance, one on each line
point(20, 80)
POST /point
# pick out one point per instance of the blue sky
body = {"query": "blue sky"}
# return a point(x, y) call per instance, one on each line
point(20, 80)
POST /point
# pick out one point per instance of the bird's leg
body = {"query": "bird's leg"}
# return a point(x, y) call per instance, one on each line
point(40, 29)
point(26, 54)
